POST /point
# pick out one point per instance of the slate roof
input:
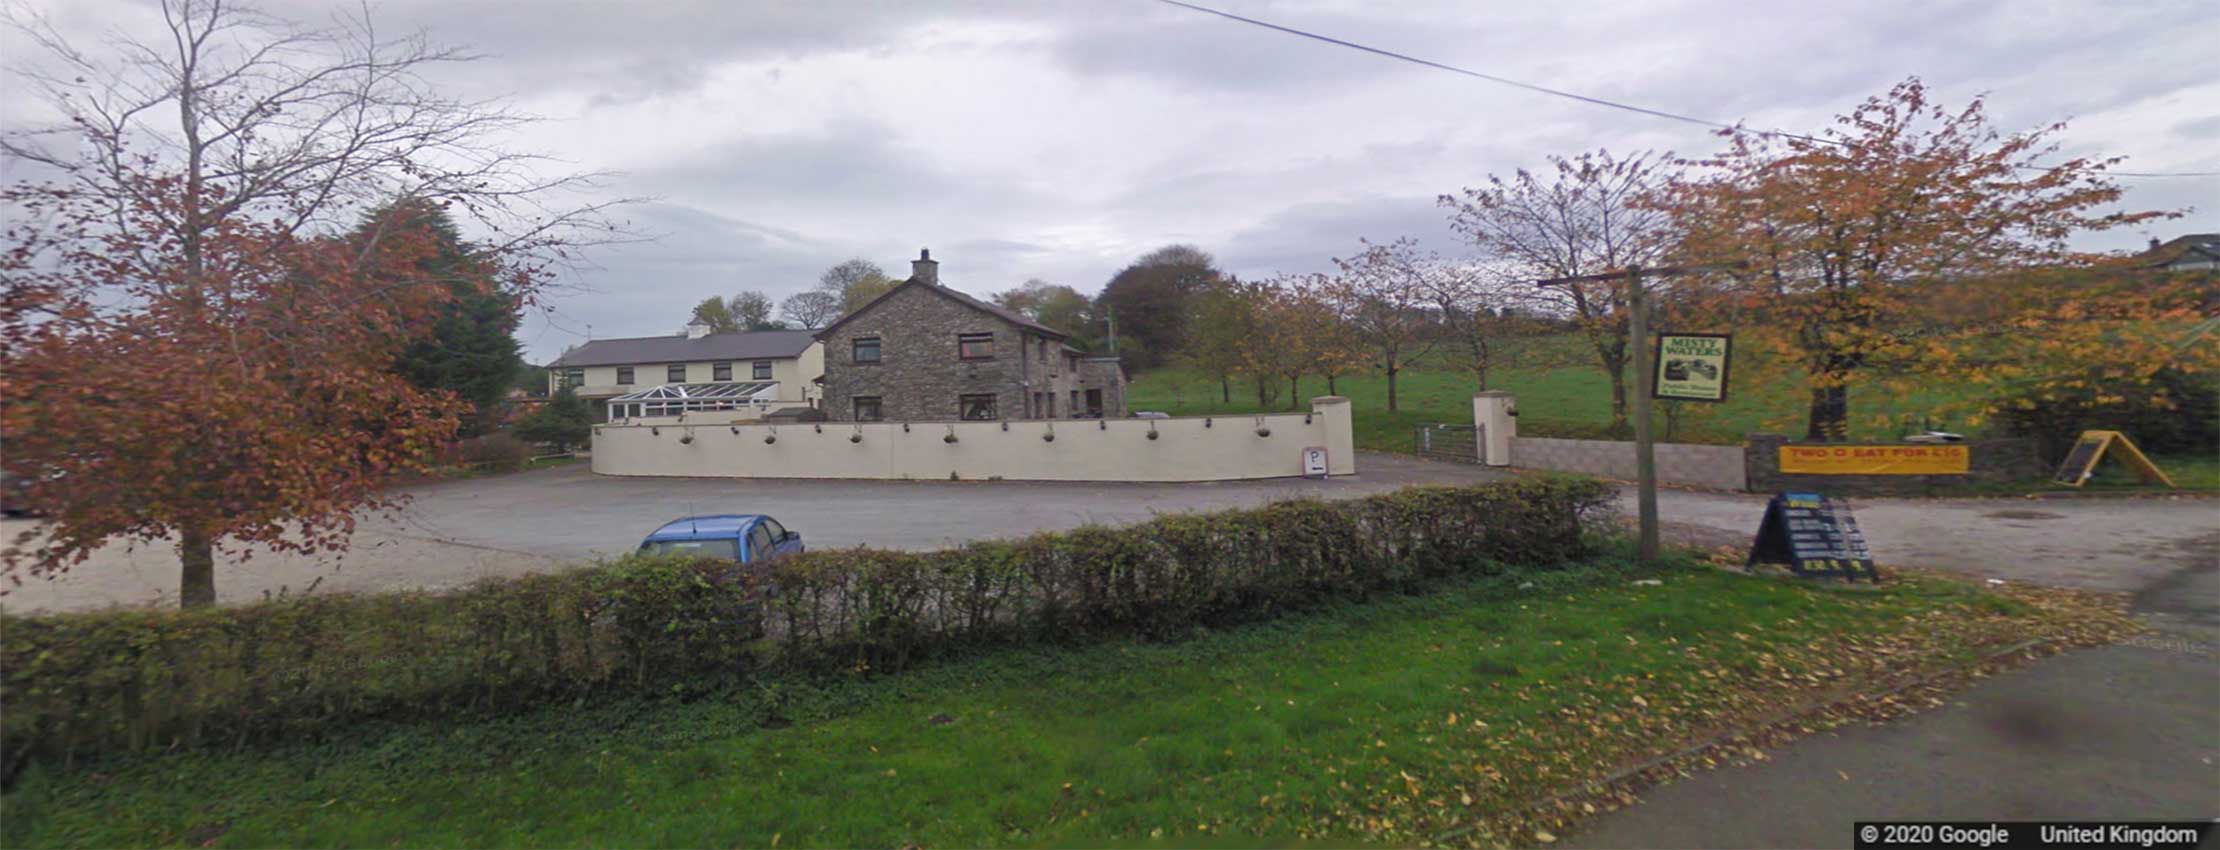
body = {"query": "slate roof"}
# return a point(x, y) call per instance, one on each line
point(676, 348)
point(990, 308)
point(2194, 247)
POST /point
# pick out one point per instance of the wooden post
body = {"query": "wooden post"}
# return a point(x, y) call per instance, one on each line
point(1645, 446)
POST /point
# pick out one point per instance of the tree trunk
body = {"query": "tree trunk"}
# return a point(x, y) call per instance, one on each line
point(1225, 389)
point(1330, 388)
point(1294, 391)
point(1263, 399)
point(1391, 387)
point(196, 552)
point(1829, 419)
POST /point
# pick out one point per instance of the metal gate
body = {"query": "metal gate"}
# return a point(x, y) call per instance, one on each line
point(1448, 442)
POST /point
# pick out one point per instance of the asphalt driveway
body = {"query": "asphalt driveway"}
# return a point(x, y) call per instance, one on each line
point(455, 532)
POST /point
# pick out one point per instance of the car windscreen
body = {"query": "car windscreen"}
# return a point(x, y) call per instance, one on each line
point(726, 549)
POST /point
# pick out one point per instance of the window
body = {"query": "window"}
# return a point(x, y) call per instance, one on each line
point(1075, 402)
point(1094, 402)
point(676, 373)
point(726, 549)
point(1052, 404)
point(624, 375)
point(976, 407)
point(763, 370)
point(867, 408)
point(574, 378)
point(720, 371)
point(778, 532)
point(1035, 410)
point(975, 346)
point(759, 542)
point(866, 349)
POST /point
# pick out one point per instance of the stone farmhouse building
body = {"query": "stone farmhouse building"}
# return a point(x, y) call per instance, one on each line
point(749, 373)
point(924, 352)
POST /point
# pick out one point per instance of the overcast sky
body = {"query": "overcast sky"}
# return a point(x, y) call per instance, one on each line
point(1061, 140)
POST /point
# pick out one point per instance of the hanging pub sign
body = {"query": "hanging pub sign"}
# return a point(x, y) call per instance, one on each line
point(1814, 536)
point(1691, 367)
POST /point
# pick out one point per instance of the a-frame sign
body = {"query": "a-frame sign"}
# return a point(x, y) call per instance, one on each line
point(1814, 536)
point(2093, 446)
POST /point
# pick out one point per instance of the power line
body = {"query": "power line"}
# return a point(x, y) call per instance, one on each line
point(1593, 101)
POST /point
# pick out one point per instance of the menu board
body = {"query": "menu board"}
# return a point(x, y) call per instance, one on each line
point(1813, 535)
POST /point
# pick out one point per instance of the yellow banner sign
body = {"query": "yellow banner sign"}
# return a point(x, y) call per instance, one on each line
point(1876, 460)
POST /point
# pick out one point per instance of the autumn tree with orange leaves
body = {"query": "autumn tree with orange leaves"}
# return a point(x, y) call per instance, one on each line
point(1854, 238)
point(201, 330)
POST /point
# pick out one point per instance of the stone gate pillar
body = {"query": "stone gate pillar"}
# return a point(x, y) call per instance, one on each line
point(1495, 413)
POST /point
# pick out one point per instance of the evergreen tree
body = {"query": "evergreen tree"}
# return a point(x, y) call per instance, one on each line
point(564, 421)
point(472, 350)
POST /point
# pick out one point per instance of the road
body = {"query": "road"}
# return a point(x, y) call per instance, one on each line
point(2128, 732)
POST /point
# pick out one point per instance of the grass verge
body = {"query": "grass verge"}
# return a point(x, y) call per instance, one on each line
point(1394, 720)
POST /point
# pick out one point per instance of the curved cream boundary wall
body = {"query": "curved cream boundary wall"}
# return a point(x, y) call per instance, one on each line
point(1186, 449)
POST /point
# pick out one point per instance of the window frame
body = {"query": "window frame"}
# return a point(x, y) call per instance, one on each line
point(674, 373)
point(573, 377)
point(964, 341)
point(624, 376)
point(720, 370)
point(855, 349)
point(878, 408)
point(993, 402)
point(760, 370)
point(765, 546)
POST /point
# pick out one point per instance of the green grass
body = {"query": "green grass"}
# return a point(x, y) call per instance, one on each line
point(1561, 393)
point(1387, 720)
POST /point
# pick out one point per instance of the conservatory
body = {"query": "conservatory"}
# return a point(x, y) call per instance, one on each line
point(750, 397)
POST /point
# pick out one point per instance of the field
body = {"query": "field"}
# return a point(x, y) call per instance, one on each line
point(1561, 393)
point(1290, 730)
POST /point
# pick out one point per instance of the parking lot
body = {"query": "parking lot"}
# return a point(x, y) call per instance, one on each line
point(455, 532)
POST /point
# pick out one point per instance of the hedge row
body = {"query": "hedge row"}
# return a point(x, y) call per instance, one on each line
point(124, 680)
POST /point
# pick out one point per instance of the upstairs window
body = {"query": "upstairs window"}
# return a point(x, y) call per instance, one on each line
point(763, 370)
point(574, 378)
point(866, 349)
point(720, 371)
point(624, 376)
point(675, 374)
point(867, 408)
point(977, 407)
point(975, 346)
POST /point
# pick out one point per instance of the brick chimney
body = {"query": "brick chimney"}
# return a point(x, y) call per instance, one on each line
point(2154, 243)
point(925, 268)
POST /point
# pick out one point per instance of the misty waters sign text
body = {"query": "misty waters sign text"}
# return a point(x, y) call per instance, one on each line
point(1691, 367)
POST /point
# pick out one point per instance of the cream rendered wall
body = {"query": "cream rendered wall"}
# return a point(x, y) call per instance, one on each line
point(1186, 449)
point(792, 374)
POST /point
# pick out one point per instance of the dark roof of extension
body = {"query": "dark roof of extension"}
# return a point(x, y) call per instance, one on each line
point(989, 308)
point(2181, 248)
point(676, 348)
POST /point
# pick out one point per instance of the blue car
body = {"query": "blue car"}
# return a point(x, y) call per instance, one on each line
point(746, 538)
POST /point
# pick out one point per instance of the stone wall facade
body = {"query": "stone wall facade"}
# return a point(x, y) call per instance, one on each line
point(921, 374)
point(1997, 461)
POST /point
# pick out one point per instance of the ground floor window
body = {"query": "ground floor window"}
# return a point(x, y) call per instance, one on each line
point(1075, 408)
point(1094, 402)
point(977, 406)
point(867, 408)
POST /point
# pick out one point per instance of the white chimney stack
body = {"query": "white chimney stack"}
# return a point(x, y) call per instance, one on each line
point(696, 330)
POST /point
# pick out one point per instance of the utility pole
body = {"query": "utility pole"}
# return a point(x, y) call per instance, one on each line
point(1645, 378)
point(1645, 444)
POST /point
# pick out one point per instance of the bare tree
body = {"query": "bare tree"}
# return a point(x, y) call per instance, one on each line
point(1475, 306)
point(256, 118)
point(1382, 294)
point(813, 309)
point(189, 179)
point(1587, 217)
